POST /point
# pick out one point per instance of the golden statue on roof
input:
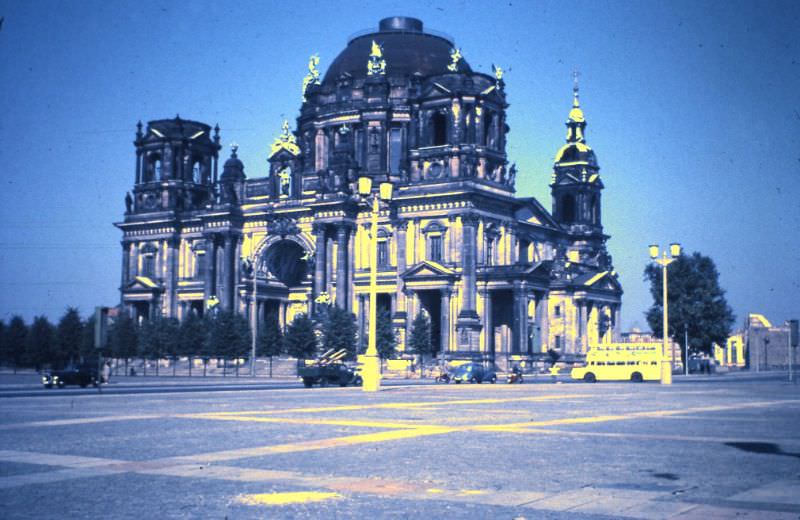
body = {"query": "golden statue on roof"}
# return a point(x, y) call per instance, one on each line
point(455, 57)
point(376, 64)
point(312, 78)
point(286, 141)
point(498, 72)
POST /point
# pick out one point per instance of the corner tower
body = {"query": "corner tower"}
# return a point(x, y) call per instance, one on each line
point(576, 186)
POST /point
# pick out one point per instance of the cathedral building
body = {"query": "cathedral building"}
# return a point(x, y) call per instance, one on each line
point(500, 276)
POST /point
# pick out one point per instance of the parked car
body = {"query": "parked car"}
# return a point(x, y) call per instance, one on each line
point(328, 369)
point(473, 373)
point(81, 375)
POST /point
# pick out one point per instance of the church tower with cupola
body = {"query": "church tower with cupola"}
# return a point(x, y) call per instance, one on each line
point(576, 183)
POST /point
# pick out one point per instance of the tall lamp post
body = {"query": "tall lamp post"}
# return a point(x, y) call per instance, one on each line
point(664, 261)
point(371, 373)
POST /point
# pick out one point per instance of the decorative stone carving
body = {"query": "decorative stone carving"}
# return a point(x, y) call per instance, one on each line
point(282, 226)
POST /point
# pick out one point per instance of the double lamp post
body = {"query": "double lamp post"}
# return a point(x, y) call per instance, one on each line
point(371, 370)
point(663, 260)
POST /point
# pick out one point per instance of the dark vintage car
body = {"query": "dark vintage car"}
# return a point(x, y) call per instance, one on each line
point(81, 375)
point(473, 373)
point(330, 374)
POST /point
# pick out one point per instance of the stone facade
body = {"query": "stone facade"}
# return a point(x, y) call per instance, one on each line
point(499, 276)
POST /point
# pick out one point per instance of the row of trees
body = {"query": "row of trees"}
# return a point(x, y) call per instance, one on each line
point(221, 334)
point(43, 343)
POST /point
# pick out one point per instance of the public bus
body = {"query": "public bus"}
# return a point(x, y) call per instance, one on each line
point(635, 362)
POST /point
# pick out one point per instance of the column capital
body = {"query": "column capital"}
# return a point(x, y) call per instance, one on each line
point(400, 225)
point(469, 219)
point(319, 227)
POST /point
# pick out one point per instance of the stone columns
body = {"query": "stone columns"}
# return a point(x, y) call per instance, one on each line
point(138, 165)
point(126, 263)
point(342, 285)
point(362, 321)
point(172, 276)
point(411, 310)
point(320, 260)
point(211, 265)
point(229, 272)
point(519, 340)
point(469, 265)
point(444, 326)
point(542, 322)
point(400, 305)
point(581, 345)
point(488, 325)
point(469, 324)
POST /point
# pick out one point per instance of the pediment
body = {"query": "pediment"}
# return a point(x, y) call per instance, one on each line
point(428, 269)
point(532, 212)
point(603, 281)
point(144, 284)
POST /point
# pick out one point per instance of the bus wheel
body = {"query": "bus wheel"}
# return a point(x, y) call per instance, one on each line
point(636, 377)
point(589, 377)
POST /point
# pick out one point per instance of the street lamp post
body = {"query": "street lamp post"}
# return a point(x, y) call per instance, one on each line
point(664, 261)
point(254, 316)
point(371, 373)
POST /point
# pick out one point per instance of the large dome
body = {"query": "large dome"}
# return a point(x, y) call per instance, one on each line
point(406, 48)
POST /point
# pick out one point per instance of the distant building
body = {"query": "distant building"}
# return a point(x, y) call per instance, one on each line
point(767, 346)
point(734, 352)
point(499, 275)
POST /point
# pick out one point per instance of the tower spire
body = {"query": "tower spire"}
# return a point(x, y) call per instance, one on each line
point(576, 123)
point(576, 102)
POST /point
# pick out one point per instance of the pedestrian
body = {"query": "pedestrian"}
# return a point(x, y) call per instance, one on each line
point(106, 372)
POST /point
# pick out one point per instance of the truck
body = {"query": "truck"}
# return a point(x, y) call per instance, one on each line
point(329, 369)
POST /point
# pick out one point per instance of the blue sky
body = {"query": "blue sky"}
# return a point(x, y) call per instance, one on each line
point(693, 109)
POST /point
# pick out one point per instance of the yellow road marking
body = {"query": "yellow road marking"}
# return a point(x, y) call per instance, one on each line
point(321, 422)
point(321, 444)
point(279, 499)
point(414, 404)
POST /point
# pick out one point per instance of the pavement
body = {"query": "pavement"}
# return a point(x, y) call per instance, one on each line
point(705, 447)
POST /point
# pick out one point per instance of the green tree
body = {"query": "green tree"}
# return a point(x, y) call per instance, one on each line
point(15, 340)
point(301, 339)
point(229, 336)
point(193, 335)
point(40, 343)
point(339, 331)
point(70, 336)
point(123, 337)
point(419, 341)
point(270, 342)
point(696, 301)
point(270, 338)
point(385, 339)
point(158, 337)
point(87, 349)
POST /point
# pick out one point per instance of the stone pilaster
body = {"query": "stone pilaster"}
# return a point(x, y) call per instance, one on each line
point(342, 283)
point(469, 325)
point(319, 260)
point(445, 324)
point(172, 277)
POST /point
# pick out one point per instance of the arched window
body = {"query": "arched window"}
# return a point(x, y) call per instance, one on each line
point(488, 130)
point(196, 172)
point(157, 169)
point(568, 208)
point(438, 129)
